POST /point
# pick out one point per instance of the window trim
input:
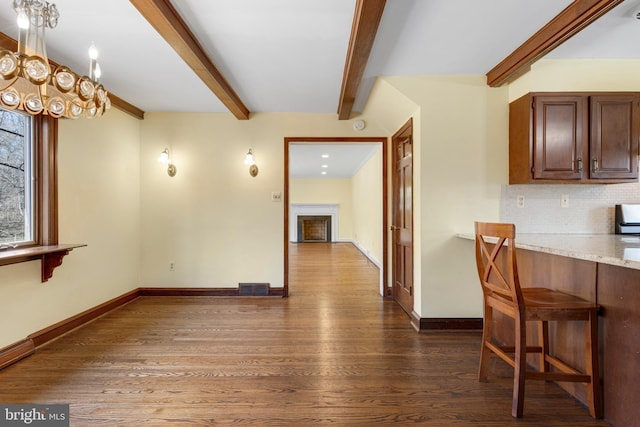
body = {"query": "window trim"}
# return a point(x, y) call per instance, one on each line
point(46, 139)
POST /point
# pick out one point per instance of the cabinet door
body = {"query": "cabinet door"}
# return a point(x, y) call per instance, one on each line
point(614, 136)
point(560, 136)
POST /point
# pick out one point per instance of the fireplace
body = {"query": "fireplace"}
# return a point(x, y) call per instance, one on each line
point(314, 228)
point(315, 210)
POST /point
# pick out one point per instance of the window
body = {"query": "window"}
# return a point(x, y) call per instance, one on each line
point(17, 179)
point(28, 193)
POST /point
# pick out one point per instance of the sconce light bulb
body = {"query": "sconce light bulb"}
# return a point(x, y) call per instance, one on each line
point(248, 160)
point(164, 156)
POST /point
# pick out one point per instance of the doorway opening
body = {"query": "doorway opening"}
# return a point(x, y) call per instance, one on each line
point(293, 210)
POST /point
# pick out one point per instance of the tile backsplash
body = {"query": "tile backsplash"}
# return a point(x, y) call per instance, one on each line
point(590, 208)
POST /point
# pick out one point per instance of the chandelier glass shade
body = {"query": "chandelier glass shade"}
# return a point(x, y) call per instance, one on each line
point(29, 82)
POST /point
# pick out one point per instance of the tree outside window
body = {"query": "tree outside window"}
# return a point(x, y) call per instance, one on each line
point(16, 178)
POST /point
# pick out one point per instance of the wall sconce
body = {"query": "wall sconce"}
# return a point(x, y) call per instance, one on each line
point(248, 160)
point(165, 159)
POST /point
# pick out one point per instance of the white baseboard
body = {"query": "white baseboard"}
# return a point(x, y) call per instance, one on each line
point(366, 253)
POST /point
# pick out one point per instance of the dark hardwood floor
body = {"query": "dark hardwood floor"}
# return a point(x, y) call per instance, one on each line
point(334, 352)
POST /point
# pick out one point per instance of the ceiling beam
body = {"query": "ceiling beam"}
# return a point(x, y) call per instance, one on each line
point(566, 24)
point(9, 43)
point(366, 20)
point(166, 20)
point(126, 107)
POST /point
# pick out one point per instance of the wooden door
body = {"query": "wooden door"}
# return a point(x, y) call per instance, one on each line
point(614, 136)
point(402, 217)
point(560, 137)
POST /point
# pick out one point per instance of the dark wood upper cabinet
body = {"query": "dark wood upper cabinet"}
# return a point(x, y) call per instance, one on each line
point(559, 137)
point(614, 136)
point(574, 138)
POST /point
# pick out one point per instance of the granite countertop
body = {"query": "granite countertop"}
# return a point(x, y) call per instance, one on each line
point(613, 249)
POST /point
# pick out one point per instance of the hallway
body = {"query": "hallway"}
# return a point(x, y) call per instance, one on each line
point(334, 352)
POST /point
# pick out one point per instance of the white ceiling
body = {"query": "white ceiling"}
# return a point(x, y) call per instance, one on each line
point(289, 55)
point(335, 160)
point(614, 36)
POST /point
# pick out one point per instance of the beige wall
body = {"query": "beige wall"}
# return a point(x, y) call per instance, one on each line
point(367, 208)
point(326, 190)
point(391, 109)
point(578, 75)
point(460, 163)
point(99, 195)
point(217, 223)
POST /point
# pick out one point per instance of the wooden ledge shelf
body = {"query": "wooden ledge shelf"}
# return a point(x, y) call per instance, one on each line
point(50, 256)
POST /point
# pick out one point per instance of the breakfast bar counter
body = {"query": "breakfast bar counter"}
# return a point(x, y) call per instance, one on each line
point(612, 249)
point(603, 268)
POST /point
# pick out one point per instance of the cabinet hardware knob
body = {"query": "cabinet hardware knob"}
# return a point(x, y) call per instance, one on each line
point(580, 165)
point(595, 164)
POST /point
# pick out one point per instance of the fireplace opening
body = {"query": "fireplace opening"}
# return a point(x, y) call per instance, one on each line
point(314, 228)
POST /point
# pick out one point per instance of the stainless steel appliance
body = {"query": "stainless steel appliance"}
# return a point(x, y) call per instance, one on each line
point(627, 219)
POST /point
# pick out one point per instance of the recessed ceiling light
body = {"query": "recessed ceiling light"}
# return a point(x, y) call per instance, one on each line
point(325, 156)
point(325, 166)
point(323, 172)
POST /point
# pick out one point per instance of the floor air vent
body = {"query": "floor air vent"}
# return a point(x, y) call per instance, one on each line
point(253, 289)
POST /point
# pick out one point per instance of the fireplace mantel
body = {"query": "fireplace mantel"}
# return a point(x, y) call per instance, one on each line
point(328, 209)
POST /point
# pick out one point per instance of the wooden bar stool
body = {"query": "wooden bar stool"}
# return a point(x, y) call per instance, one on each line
point(498, 273)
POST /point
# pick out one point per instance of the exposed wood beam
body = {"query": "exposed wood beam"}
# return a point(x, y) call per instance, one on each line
point(166, 20)
point(566, 24)
point(363, 32)
point(9, 43)
point(126, 107)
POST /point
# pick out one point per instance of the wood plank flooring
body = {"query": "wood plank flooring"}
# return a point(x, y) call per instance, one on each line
point(334, 352)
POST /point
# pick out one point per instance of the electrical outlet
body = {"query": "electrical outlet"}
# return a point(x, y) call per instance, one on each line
point(520, 201)
point(276, 196)
point(172, 266)
point(564, 201)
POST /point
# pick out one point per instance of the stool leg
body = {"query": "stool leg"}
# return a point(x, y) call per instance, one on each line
point(593, 367)
point(520, 369)
point(543, 341)
point(485, 353)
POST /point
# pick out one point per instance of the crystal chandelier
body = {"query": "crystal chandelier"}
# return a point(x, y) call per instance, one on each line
point(30, 83)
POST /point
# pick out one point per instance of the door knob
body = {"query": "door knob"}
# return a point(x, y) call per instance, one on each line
point(394, 228)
